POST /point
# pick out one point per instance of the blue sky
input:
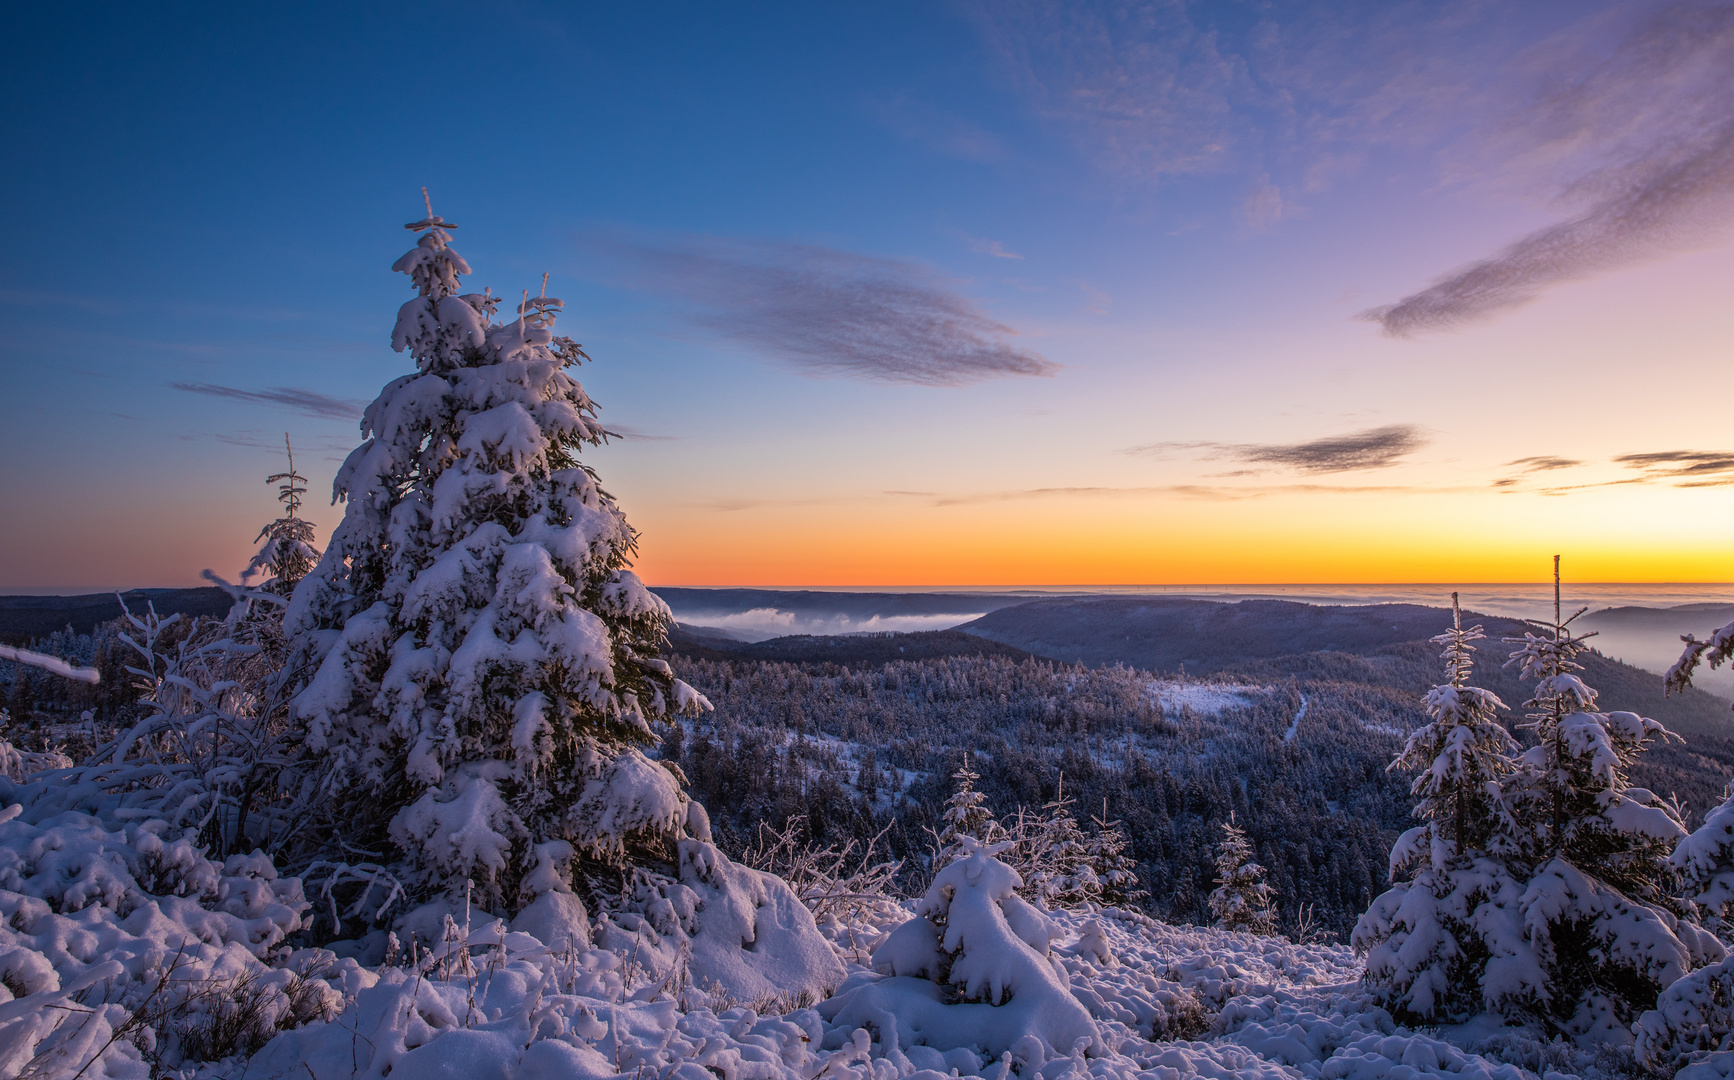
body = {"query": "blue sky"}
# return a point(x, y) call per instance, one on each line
point(923, 294)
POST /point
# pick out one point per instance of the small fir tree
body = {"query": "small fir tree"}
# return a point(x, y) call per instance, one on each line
point(965, 814)
point(1459, 758)
point(287, 553)
point(1053, 855)
point(1116, 870)
point(1242, 899)
point(482, 668)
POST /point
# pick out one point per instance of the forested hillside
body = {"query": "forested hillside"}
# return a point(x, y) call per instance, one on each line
point(859, 745)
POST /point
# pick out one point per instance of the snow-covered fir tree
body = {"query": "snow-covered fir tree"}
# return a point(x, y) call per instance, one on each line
point(1242, 899)
point(1705, 861)
point(1450, 912)
point(1458, 757)
point(1599, 908)
point(966, 813)
point(1571, 787)
point(481, 663)
point(287, 553)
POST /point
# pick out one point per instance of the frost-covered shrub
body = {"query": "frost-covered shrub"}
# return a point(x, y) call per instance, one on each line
point(722, 928)
point(481, 664)
point(212, 748)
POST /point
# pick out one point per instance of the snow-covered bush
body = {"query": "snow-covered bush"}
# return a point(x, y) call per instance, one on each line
point(839, 885)
point(17, 764)
point(973, 971)
point(481, 664)
point(1242, 899)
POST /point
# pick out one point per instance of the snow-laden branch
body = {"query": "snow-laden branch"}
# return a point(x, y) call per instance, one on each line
point(49, 663)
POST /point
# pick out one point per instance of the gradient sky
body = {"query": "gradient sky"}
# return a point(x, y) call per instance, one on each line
point(904, 294)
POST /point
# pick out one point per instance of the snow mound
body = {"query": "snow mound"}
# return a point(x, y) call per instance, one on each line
point(732, 932)
point(972, 938)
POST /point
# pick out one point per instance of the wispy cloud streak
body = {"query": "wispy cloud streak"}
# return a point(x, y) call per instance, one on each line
point(1696, 468)
point(1644, 147)
point(1543, 463)
point(309, 402)
point(829, 312)
point(1375, 448)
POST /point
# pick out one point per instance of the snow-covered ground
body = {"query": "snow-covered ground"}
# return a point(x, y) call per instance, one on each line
point(120, 945)
point(1202, 699)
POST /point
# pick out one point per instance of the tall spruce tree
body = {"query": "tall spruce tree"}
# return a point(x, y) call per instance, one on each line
point(481, 663)
point(1444, 942)
point(1599, 906)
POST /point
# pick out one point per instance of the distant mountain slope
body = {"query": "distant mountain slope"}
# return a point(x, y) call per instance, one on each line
point(23, 618)
point(856, 650)
point(1163, 633)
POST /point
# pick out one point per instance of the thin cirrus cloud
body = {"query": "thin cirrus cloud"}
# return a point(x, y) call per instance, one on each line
point(828, 312)
point(1374, 448)
point(1157, 89)
point(308, 402)
point(1639, 141)
point(988, 247)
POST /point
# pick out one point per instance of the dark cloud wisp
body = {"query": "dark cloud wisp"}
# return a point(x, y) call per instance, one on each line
point(301, 400)
point(830, 312)
point(1695, 468)
point(1374, 448)
point(1543, 463)
point(1644, 145)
